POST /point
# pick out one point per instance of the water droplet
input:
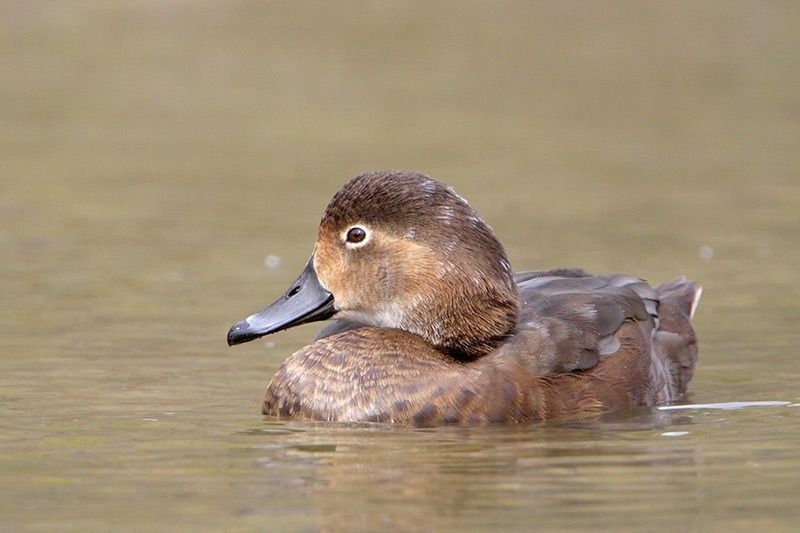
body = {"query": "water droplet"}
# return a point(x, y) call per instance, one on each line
point(706, 252)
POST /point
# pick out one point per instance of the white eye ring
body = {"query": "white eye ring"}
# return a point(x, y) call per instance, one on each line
point(356, 236)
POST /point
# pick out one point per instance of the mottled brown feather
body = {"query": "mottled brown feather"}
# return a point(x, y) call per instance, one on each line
point(388, 375)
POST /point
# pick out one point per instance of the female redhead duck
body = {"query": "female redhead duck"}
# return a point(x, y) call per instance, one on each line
point(433, 327)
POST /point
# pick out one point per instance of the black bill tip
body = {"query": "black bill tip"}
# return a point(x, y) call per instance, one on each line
point(241, 332)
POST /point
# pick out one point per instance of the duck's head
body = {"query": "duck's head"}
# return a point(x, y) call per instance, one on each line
point(401, 250)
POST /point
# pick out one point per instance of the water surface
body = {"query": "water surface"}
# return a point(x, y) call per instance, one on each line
point(164, 167)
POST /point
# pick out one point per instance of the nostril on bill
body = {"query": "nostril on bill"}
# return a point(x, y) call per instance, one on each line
point(294, 290)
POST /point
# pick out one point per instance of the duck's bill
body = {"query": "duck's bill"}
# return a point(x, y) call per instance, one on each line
point(305, 301)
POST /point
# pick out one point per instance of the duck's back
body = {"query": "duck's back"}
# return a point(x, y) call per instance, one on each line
point(614, 328)
point(584, 344)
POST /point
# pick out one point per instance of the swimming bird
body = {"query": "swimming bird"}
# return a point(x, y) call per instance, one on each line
point(431, 325)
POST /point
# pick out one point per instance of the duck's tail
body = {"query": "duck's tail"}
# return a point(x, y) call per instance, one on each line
point(675, 339)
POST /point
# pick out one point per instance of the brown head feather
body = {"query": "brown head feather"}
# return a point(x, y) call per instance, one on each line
point(431, 266)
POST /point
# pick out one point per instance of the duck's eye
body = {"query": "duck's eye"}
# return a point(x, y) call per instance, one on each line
point(356, 235)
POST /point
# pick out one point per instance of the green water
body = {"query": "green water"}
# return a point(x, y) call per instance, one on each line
point(154, 155)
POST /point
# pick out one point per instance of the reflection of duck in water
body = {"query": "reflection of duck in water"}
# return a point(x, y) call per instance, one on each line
point(434, 327)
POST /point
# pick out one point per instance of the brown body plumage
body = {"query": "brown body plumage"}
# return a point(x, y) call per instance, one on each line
point(433, 326)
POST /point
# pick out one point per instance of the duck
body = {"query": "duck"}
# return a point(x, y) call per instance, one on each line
point(431, 326)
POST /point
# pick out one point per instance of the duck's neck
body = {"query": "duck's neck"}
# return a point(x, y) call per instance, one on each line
point(465, 324)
